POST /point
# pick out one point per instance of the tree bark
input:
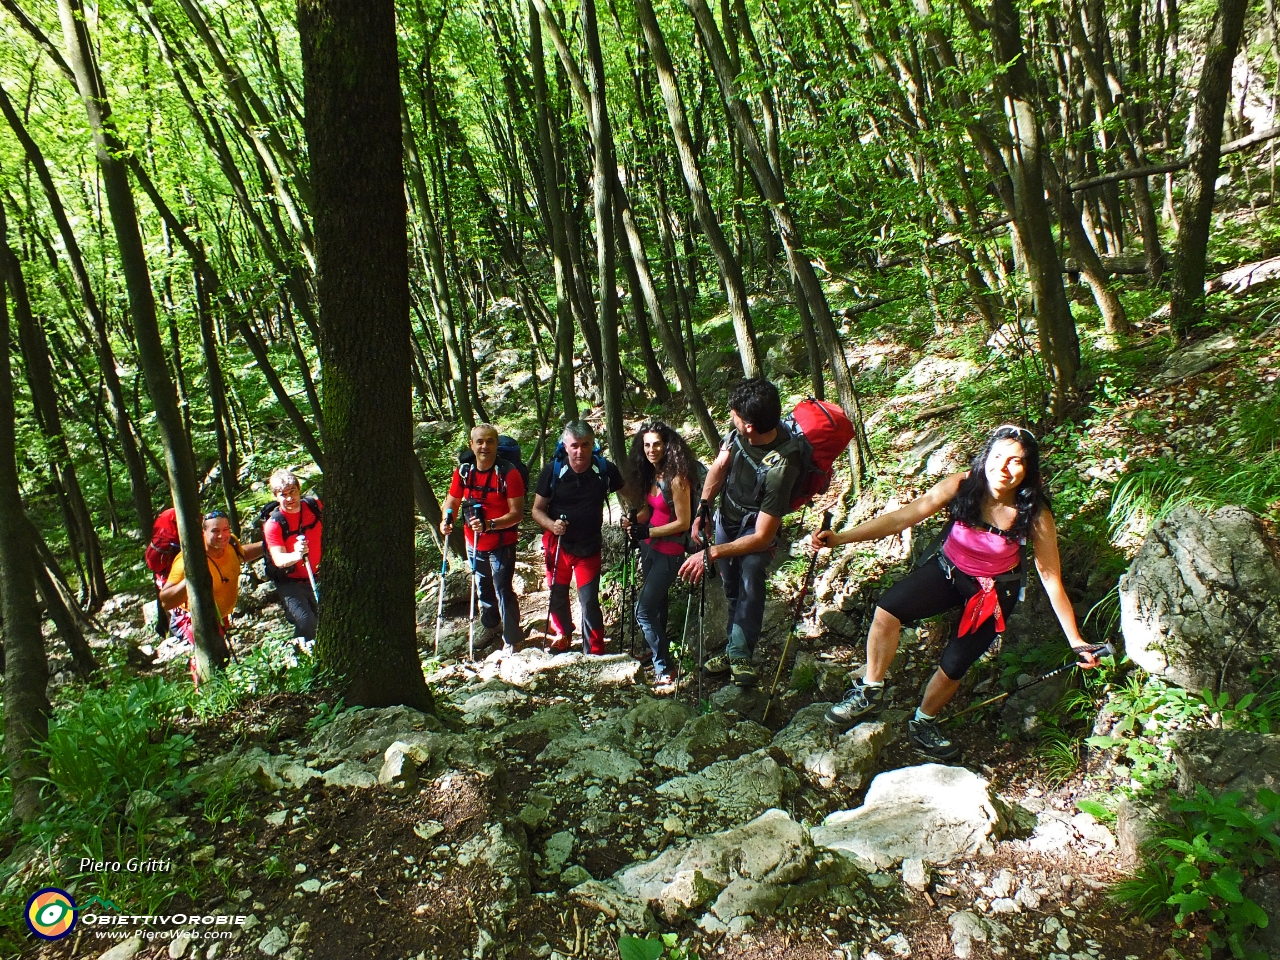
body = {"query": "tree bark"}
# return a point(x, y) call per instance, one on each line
point(211, 650)
point(44, 398)
point(792, 241)
point(26, 672)
point(1059, 342)
point(1187, 298)
point(367, 644)
point(730, 269)
point(551, 184)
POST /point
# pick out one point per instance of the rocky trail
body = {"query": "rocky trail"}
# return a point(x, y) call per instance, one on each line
point(558, 803)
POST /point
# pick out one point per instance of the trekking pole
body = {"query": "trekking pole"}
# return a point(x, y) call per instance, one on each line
point(551, 582)
point(795, 619)
point(704, 513)
point(629, 567)
point(1105, 648)
point(444, 569)
point(477, 513)
point(306, 563)
point(684, 633)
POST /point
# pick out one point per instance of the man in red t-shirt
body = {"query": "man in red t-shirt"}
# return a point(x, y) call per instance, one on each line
point(294, 538)
point(490, 494)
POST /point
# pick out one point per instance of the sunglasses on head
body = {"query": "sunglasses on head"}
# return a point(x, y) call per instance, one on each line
point(216, 515)
point(1007, 428)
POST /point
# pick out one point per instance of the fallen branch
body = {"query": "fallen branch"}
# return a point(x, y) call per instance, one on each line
point(1234, 146)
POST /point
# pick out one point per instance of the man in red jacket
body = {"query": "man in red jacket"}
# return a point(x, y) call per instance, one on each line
point(490, 494)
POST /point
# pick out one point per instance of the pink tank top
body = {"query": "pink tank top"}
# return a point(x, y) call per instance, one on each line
point(661, 515)
point(980, 553)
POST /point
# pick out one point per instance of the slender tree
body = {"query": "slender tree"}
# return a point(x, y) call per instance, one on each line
point(26, 704)
point(1187, 298)
point(211, 649)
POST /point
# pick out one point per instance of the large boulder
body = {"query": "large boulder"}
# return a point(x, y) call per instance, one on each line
point(733, 790)
point(1200, 604)
point(1227, 760)
point(931, 812)
point(826, 757)
point(769, 851)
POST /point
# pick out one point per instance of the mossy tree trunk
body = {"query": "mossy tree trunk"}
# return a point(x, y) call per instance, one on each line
point(26, 704)
point(366, 645)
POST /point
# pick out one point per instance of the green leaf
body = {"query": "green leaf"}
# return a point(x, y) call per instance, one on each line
point(1095, 809)
point(633, 948)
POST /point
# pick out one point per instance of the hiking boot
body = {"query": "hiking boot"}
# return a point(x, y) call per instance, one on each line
point(716, 665)
point(558, 644)
point(743, 673)
point(930, 742)
point(596, 649)
point(859, 701)
point(664, 679)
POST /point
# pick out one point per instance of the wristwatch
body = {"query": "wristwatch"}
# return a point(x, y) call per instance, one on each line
point(489, 526)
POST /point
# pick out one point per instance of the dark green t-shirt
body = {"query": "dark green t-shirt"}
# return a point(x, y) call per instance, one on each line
point(738, 497)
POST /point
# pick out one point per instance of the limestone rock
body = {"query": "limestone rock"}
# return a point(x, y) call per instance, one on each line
point(826, 757)
point(1227, 760)
point(350, 773)
point(930, 812)
point(915, 874)
point(968, 928)
point(557, 851)
point(1201, 600)
point(633, 913)
point(771, 849)
point(400, 766)
point(1198, 358)
point(696, 744)
point(362, 734)
point(744, 897)
point(274, 942)
point(736, 789)
point(123, 951)
point(502, 847)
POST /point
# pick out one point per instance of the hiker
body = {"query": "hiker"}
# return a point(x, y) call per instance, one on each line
point(756, 468)
point(662, 472)
point(570, 497)
point(225, 555)
point(995, 508)
point(490, 492)
point(293, 533)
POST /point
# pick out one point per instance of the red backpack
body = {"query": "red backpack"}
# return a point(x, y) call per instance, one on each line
point(164, 545)
point(817, 433)
point(823, 432)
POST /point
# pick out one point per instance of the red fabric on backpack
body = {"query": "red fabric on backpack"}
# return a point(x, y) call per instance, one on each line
point(826, 431)
point(164, 545)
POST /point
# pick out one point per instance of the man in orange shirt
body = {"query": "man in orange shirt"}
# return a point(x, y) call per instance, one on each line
point(225, 556)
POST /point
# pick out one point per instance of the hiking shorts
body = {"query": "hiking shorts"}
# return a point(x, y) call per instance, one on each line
point(928, 591)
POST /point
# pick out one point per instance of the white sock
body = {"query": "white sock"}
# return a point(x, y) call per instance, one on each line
point(921, 715)
point(873, 683)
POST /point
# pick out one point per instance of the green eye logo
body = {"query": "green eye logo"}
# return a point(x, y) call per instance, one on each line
point(51, 913)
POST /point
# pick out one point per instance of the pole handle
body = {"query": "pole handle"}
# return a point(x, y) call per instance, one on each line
point(826, 520)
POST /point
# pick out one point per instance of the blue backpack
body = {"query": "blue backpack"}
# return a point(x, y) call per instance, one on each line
point(560, 466)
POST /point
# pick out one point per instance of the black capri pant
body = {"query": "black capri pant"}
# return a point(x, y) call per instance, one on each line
point(928, 591)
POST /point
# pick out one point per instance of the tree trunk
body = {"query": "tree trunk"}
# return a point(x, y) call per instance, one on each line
point(137, 470)
point(439, 277)
point(1056, 327)
point(1187, 299)
point(604, 173)
point(211, 649)
point(793, 243)
point(551, 177)
point(367, 644)
point(730, 268)
point(44, 399)
point(26, 672)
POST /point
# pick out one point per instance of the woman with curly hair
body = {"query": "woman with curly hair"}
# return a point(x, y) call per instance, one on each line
point(659, 485)
point(995, 509)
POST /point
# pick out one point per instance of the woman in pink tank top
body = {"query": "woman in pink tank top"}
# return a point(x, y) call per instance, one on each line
point(660, 487)
point(997, 508)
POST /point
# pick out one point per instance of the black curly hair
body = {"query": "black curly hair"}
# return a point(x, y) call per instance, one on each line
point(1031, 496)
point(677, 461)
